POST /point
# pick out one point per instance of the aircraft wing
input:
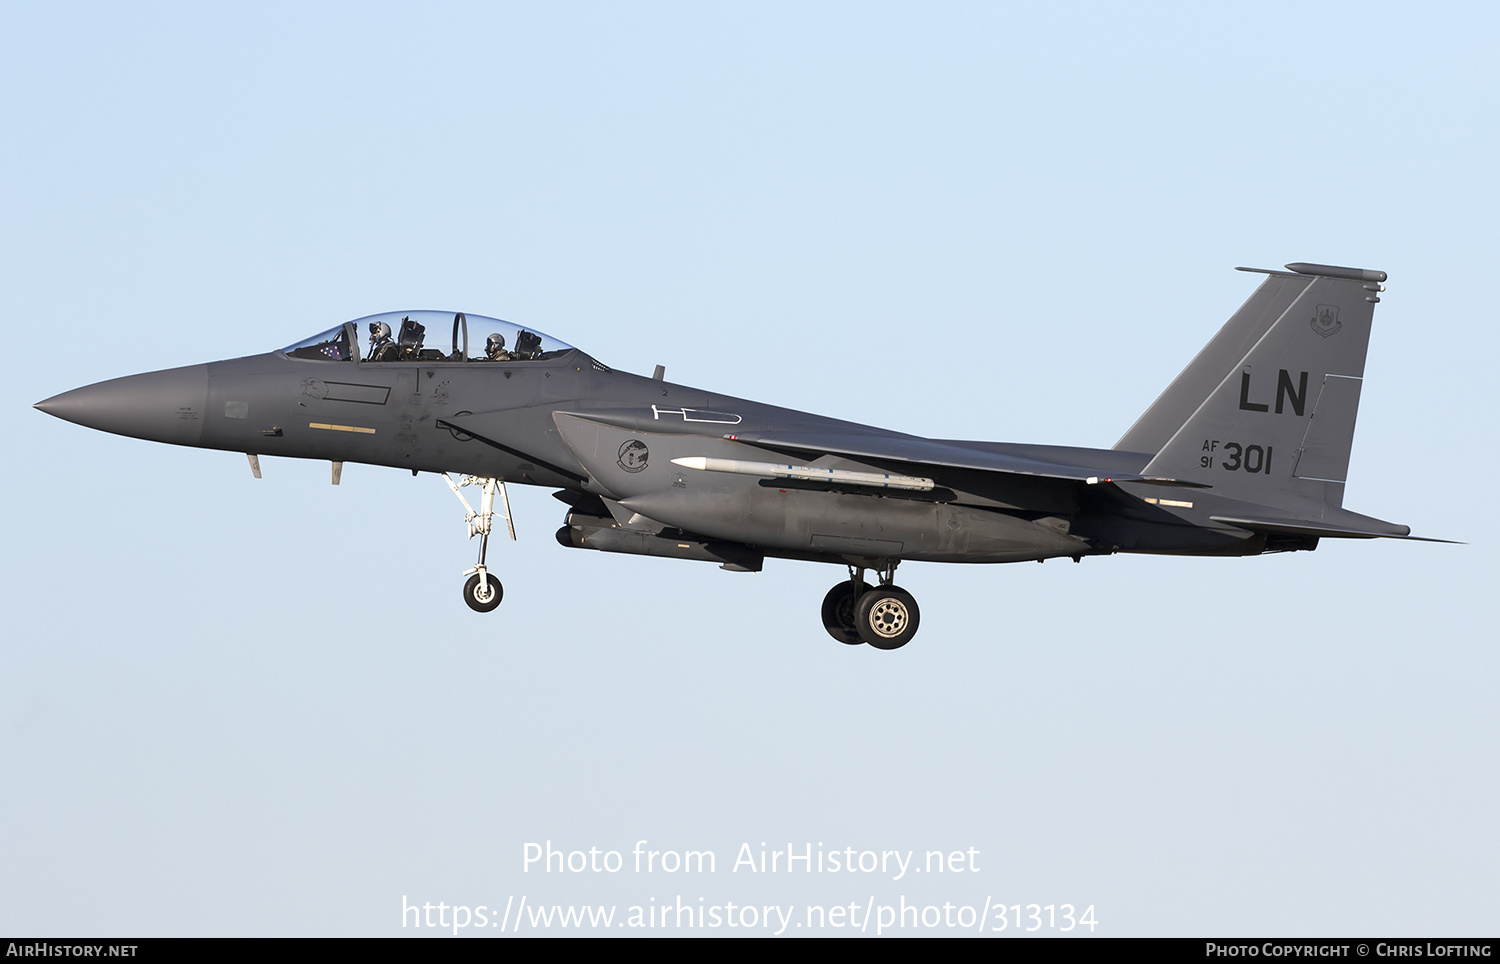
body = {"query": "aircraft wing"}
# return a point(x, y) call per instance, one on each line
point(930, 453)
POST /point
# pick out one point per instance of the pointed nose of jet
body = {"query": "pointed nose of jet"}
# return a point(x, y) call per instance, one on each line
point(162, 406)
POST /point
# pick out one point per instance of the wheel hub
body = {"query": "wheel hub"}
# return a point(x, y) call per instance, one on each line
point(888, 618)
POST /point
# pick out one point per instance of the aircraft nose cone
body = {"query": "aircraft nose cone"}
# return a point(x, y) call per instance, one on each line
point(164, 406)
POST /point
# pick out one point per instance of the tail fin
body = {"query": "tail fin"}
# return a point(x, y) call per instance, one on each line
point(1160, 422)
point(1273, 397)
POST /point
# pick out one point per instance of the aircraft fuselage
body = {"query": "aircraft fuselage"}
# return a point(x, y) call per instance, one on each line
point(1246, 452)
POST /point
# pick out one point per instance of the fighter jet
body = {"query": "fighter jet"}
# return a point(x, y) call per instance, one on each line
point(1246, 452)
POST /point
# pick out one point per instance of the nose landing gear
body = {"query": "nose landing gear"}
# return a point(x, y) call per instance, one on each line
point(482, 591)
point(885, 617)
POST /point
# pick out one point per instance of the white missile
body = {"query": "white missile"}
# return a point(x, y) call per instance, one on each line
point(776, 470)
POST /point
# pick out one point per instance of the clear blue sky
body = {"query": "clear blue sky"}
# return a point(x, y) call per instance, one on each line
point(231, 706)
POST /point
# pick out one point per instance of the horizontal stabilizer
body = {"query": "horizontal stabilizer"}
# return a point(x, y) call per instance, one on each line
point(1323, 530)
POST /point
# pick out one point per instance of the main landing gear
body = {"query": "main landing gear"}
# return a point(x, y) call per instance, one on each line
point(483, 591)
point(886, 617)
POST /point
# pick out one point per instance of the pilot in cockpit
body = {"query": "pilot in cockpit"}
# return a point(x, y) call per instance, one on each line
point(380, 337)
point(494, 348)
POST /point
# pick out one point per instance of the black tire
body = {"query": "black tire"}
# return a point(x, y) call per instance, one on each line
point(887, 617)
point(838, 611)
point(471, 593)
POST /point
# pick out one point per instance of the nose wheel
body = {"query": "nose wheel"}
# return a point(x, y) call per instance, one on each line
point(886, 617)
point(482, 591)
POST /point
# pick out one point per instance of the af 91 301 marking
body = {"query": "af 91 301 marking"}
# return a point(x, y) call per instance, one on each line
point(1253, 459)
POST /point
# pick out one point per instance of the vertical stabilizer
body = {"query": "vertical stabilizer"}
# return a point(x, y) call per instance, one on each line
point(1277, 425)
point(1160, 422)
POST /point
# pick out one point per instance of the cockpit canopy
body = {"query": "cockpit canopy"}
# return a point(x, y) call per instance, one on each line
point(428, 337)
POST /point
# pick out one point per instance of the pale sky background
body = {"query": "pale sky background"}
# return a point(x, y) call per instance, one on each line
point(239, 707)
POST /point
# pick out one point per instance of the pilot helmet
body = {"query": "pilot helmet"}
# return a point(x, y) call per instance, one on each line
point(380, 331)
point(494, 344)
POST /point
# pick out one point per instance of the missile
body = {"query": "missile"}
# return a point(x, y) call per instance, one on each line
point(776, 470)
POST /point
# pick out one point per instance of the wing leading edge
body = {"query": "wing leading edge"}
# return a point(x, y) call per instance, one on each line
point(932, 453)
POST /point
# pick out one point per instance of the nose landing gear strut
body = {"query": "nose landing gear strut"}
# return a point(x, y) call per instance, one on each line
point(482, 591)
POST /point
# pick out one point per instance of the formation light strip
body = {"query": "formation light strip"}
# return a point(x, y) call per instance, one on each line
point(1175, 503)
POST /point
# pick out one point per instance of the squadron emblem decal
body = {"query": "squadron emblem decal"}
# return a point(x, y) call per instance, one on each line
point(633, 455)
point(458, 434)
point(1326, 321)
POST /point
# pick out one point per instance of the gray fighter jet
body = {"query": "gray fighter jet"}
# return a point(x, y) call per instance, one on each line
point(1245, 453)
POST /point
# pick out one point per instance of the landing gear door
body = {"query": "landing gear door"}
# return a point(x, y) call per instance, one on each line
point(460, 337)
